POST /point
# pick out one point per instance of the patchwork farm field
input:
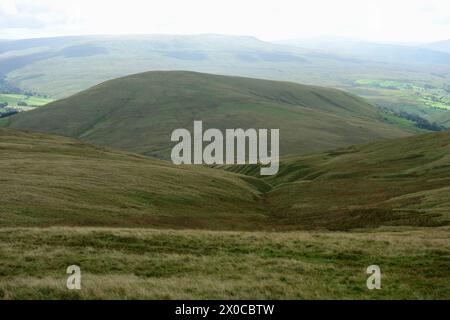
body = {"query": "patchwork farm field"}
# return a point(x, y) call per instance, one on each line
point(166, 264)
point(430, 101)
point(15, 99)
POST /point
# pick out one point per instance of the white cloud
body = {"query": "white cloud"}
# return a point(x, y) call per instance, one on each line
point(385, 20)
point(8, 7)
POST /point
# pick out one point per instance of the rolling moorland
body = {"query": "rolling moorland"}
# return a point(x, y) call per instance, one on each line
point(138, 113)
point(51, 180)
point(66, 188)
point(395, 182)
point(142, 228)
point(405, 79)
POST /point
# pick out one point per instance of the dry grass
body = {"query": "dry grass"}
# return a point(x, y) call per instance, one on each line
point(49, 180)
point(169, 264)
point(395, 182)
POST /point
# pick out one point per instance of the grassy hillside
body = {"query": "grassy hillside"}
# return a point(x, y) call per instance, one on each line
point(63, 186)
point(399, 182)
point(138, 113)
point(163, 264)
point(50, 180)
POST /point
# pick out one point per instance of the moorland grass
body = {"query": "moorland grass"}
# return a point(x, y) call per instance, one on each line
point(49, 180)
point(397, 182)
point(168, 264)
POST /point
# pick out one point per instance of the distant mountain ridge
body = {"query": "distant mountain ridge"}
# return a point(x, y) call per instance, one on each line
point(383, 52)
point(59, 67)
point(439, 45)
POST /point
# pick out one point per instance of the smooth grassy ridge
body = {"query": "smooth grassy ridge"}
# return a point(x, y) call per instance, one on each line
point(138, 113)
point(50, 180)
point(398, 182)
point(157, 264)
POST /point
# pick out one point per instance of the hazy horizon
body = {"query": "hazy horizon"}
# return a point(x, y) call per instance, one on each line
point(421, 21)
point(281, 41)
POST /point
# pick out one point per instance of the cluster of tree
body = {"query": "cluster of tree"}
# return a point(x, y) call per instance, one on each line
point(447, 88)
point(419, 121)
point(8, 113)
point(5, 87)
point(3, 104)
point(22, 104)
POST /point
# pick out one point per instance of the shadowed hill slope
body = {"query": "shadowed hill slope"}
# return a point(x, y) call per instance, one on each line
point(49, 180)
point(138, 113)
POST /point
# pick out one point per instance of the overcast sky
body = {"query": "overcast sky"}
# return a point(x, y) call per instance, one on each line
point(377, 20)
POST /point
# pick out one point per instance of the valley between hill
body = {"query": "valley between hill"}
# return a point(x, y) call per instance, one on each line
point(54, 190)
point(143, 228)
point(50, 180)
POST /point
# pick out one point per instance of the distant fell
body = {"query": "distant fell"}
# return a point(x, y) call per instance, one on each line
point(138, 113)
